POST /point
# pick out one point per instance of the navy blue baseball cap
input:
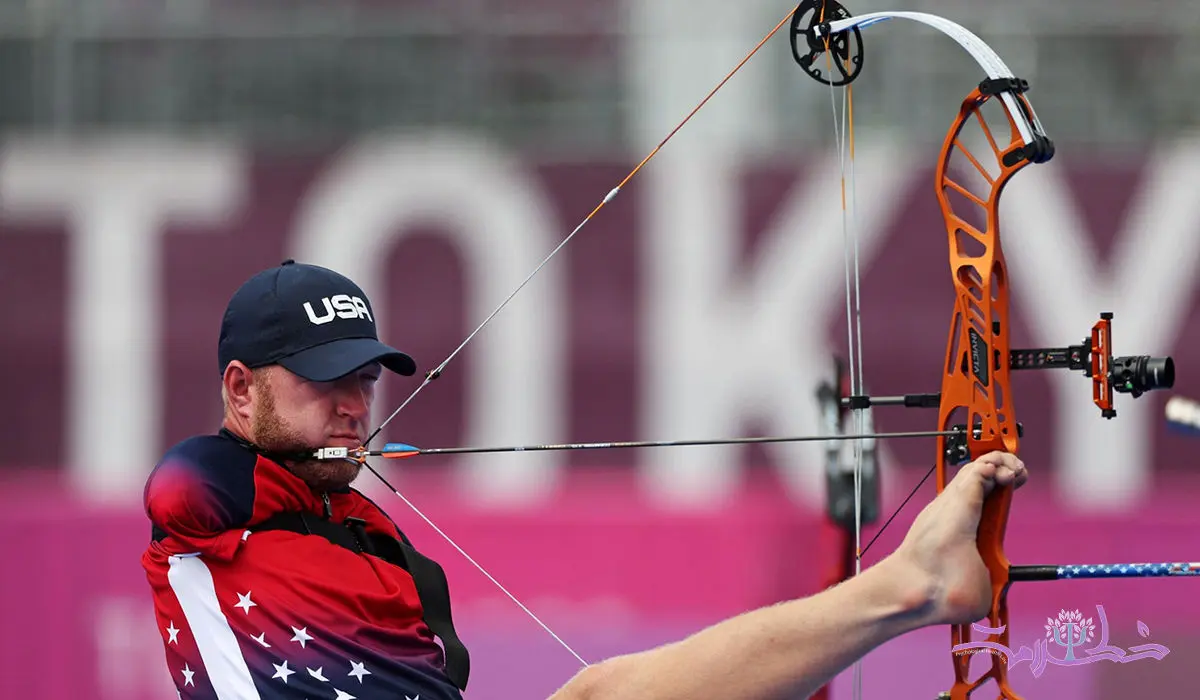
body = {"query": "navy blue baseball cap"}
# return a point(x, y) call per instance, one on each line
point(311, 320)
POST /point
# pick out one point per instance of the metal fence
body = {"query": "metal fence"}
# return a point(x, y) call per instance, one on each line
point(554, 73)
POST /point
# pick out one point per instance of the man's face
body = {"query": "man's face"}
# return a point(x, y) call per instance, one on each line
point(292, 414)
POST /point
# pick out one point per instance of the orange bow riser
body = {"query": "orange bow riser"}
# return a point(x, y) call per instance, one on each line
point(976, 389)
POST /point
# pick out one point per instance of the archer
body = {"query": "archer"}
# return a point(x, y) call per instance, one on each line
point(273, 578)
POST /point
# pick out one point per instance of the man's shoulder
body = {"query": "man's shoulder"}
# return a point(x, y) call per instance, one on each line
point(209, 452)
point(203, 474)
point(212, 461)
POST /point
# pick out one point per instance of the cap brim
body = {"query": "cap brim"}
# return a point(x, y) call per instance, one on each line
point(336, 359)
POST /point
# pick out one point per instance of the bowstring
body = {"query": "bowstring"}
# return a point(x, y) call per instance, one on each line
point(612, 194)
point(478, 566)
point(435, 373)
point(859, 413)
point(843, 127)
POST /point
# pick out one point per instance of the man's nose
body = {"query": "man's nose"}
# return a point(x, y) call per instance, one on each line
point(353, 401)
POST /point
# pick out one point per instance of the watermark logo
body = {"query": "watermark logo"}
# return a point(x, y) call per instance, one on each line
point(1069, 631)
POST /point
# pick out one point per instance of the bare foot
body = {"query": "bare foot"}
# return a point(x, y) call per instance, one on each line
point(940, 548)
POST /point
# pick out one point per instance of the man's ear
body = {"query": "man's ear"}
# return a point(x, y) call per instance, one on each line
point(237, 387)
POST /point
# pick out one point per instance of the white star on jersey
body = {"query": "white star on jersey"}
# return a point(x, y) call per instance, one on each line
point(174, 632)
point(282, 671)
point(187, 675)
point(301, 635)
point(317, 673)
point(245, 602)
point(262, 639)
point(358, 670)
point(343, 695)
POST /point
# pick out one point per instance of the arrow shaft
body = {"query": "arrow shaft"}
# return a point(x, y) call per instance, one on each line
point(393, 450)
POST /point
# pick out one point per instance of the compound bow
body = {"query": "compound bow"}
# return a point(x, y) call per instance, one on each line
point(976, 412)
point(976, 390)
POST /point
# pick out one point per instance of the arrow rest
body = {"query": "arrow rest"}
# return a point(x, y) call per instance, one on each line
point(812, 37)
point(957, 451)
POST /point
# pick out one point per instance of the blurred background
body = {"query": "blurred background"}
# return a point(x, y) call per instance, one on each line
point(155, 153)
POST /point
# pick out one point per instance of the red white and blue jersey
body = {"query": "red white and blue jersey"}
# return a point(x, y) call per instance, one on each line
point(274, 614)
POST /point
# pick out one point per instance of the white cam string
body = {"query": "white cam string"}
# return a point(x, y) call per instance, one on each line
point(844, 141)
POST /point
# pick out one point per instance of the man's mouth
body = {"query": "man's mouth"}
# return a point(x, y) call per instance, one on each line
point(344, 440)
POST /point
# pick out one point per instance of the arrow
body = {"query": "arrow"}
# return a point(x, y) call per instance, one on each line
point(399, 450)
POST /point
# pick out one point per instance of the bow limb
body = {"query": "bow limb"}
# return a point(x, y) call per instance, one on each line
point(1022, 117)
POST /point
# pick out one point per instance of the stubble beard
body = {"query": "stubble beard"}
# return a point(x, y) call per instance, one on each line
point(272, 434)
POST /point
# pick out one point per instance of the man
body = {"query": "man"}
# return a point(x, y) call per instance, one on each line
point(272, 578)
point(259, 565)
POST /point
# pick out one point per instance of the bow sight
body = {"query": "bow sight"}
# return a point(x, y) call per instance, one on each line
point(1133, 375)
